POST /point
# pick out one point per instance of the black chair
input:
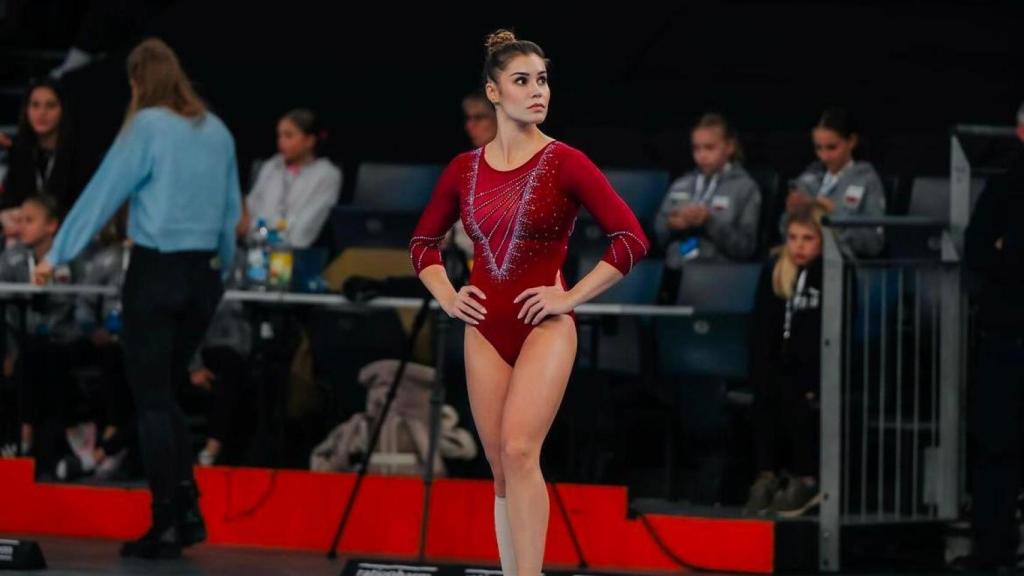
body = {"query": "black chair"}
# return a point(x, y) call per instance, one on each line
point(611, 374)
point(372, 228)
point(714, 341)
point(617, 344)
point(703, 363)
point(642, 190)
point(387, 186)
point(720, 287)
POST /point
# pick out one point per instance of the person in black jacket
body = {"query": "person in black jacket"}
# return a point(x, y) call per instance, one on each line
point(994, 254)
point(786, 370)
point(43, 157)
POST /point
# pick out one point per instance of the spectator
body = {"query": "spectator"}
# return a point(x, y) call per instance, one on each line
point(40, 362)
point(844, 186)
point(43, 157)
point(994, 253)
point(294, 185)
point(786, 370)
point(711, 213)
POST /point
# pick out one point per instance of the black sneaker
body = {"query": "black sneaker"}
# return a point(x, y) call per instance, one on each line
point(191, 527)
point(160, 542)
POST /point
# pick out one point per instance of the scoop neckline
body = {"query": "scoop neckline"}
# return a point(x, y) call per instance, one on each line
point(483, 158)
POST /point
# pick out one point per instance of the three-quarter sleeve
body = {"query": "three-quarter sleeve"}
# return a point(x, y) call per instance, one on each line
point(627, 243)
point(438, 217)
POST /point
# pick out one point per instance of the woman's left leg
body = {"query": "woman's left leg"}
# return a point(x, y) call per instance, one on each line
point(538, 384)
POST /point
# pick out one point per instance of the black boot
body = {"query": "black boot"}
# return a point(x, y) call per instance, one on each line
point(161, 540)
point(191, 528)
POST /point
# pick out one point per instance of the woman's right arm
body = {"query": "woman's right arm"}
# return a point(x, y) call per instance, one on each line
point(127, 164)
point(425, 250)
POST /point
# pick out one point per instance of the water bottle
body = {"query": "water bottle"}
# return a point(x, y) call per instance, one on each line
point(281, 257)
point(257, 259)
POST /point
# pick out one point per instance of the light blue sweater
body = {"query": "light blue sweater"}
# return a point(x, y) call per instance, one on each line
point(181, 179)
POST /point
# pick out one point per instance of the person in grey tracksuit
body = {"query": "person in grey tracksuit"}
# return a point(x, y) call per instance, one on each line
point(39, 335)
point(733, 202)
point(855, 191)
point(711, 213)
point(846, 186)
point(51, 316)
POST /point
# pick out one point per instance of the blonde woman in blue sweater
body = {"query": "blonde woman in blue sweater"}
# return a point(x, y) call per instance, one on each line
point(174, 163)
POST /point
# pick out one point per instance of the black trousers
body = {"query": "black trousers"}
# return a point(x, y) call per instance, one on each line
point(787, 425)
point(169, 300)
point(996, 412)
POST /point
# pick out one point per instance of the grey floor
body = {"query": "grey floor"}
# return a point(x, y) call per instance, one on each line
point(74, 557)
point(80, 556)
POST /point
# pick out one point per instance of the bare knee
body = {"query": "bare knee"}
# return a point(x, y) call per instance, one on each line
point(519, 456)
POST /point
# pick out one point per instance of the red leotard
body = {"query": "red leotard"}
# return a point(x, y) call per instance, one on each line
point(520, 221)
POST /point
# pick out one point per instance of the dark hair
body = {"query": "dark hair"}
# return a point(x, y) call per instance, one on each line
point(25, 130)
point(478, 96)
point(502, 46)
point(838, 120)
point(715, 120)
point(20, 182)
point(47, 203)
point(307, 122)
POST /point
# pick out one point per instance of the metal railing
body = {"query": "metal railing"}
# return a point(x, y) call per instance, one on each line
point(891, 389)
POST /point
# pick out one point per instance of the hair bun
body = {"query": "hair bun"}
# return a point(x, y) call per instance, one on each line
point(498, 39)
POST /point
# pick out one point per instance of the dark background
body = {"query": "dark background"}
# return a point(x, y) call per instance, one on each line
point(628, 80)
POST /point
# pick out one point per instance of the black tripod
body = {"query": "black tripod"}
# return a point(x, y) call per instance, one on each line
point(457, 268)
point(437, 397)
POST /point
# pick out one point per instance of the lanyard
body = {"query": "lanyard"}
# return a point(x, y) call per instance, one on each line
point(705, 190)
point(43, 176)
point(788, 322)
point(828, 183)
point(288, 179)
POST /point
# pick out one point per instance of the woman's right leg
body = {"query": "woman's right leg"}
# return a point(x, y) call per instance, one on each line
point(154, 299)
point(204, 294)
point(487, 378)
point(148, 341)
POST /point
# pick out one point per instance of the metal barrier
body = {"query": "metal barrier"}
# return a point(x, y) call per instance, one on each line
point(891, 389)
